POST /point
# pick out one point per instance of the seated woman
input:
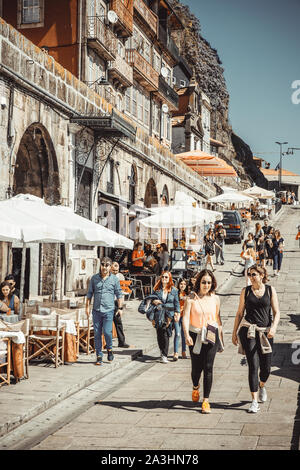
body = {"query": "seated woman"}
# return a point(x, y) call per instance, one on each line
point(8, 298)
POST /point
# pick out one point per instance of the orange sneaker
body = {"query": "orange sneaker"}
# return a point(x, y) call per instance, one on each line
point(195, 395)
point(205, 407)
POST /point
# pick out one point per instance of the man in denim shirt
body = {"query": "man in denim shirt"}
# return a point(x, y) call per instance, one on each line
point(104, 286)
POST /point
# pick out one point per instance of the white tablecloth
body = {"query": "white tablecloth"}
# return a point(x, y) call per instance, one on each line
point(16, 336)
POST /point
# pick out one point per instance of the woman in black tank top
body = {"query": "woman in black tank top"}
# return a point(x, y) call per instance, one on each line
point(255, 331)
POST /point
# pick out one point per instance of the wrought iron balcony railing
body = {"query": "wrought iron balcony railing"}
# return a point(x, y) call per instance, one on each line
point(101, 38)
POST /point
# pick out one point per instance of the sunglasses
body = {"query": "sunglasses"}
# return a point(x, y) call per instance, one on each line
point(206, 282)
point(252, 274)
point(165, 277)
point(106, 265)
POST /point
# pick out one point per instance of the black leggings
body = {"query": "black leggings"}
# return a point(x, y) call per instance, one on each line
point(255, 358)
point(203, 362)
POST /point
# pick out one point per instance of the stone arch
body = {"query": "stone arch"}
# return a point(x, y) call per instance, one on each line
point(36, 167)
point(151, 197)
point(37, 173)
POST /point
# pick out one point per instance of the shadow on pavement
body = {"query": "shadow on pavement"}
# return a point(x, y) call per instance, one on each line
point(168, 404)
point(287, 359)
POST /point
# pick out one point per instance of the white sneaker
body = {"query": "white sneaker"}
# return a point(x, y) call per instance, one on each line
point(254, 407)
point(164, 359)
point(262, 395)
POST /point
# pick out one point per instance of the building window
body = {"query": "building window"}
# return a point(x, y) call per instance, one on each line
point(132, 184)
point(134, 102)
point(168, 136)
point(110, 176)
point(147, 111)
point(127, 100)
point(30, 13)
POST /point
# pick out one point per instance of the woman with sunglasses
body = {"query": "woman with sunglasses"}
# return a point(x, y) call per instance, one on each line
point(167, 297)
point(199, 312)
point(255, 331)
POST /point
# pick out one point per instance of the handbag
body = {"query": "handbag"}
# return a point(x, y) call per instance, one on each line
point(211, 334)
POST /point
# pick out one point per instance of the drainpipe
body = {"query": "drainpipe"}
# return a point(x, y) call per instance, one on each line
point(80, 39)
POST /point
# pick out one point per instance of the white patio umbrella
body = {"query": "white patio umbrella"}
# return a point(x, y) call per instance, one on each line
point(258, 192)
point(178, 216)
point(39, 222)
point(231, 196)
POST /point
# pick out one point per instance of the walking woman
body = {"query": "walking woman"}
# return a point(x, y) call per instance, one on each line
point(255, 331)
point(277, 250)
point(167, 297)
point(220, 239)
point(250, 259)
point(209, 242)
point(8, 298)
point(202, 328)
point(268, 244)
point(182, 294)
point(258, 232)
point(249, 242)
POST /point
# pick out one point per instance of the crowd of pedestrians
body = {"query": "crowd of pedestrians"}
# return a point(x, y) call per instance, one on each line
point(265, 247)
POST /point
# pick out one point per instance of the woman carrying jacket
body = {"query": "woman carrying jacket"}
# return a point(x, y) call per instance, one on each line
point(199, 312)
point(255, 330)
point(168, 298)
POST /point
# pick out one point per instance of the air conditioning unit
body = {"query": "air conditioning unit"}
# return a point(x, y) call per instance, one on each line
point(182, 83)
point(174, 81)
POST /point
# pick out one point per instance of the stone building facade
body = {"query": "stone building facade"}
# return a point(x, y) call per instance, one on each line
point(61, 140)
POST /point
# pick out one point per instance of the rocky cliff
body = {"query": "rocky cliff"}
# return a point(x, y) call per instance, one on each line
point(206, 63)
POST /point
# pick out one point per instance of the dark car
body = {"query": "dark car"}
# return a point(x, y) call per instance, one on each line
point(234, 225)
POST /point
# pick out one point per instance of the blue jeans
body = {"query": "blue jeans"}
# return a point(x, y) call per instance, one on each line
point(102, 323)
point(179, 329)
point(277, 260)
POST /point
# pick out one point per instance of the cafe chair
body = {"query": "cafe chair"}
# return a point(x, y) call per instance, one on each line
point(86, 333)
point(74, 316)
point(22, 326)
point(136, 285)
point(46, 346)
point(5, 361)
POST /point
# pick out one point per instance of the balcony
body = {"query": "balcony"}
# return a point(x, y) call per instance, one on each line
point(101, 38)
point(120, 71)
point(143, 72)
point(146, 17)
point(167, 94)
point(124, 26)
point(168, 43)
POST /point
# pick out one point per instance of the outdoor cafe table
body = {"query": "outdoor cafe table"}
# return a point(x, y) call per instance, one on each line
point(18, 341)
point(70, 354)
point(12, 318)
point(142, 276)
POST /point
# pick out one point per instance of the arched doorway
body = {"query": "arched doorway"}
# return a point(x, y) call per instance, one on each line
point(151, 197)
point(36, 172)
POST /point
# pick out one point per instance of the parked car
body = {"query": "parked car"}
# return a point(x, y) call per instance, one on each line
point(234, 225)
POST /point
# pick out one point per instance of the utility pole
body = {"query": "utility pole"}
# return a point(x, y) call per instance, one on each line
point(280, 168)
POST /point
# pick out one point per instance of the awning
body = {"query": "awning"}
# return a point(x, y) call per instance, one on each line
point(109, 125)
point(205, 164)
point(216, 143)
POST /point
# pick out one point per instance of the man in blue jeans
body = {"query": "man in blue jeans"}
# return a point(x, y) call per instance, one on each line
point(104, 286)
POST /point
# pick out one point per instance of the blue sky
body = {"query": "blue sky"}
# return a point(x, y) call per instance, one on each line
point(258, 42)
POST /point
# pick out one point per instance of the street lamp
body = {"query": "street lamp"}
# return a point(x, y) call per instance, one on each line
point(280, 169)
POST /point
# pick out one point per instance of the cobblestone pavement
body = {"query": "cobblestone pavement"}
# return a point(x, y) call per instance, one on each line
point(154, 410)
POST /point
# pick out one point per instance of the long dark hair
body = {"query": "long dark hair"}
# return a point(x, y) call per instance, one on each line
point(203, 273)
point(182, 279)
point(3, 284)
